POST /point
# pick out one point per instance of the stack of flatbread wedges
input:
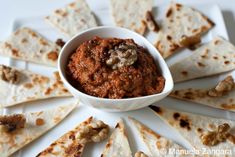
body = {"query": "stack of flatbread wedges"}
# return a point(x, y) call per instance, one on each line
point(131, 14)
point(73, 18)
point(158, 146)
point(73, 142)
point(215, 57)
point(36, 124)
point(28, 86)
point(28, 45)
point(205, 134)
point(182, 27)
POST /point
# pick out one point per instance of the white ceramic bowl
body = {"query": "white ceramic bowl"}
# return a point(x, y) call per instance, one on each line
point(106, 104)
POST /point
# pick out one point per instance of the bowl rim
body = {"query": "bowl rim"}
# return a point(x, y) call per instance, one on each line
point(67, 83)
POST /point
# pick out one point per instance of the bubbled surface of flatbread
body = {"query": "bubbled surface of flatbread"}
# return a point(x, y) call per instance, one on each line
point(73, 18)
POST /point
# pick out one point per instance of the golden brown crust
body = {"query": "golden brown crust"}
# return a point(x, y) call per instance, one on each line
point(151, 22)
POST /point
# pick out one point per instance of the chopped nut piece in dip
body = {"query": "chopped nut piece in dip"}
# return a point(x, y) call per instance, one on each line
point(94, 132)
point(12, 122)
point(8, 74)
point(212, 138)
point(140, 154)
point(122, 55)
point(223, 87)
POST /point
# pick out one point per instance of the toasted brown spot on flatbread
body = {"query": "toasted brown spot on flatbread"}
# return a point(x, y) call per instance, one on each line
point(204, 56)
point(169, 12)
point(33, 34)
point(15, 52)
point(178, 6)
point(28, 85)
point(156, 109)
point(176, 92)
point(108, 144)
point(194, 30)
point(231, 100)
point(176, 115)
point(226, 62)
point(184, 123)
point(43, 42)
point(58, 11)
point(199, 130)
point(40, 121)
point(216, 42)
point(185, 73)
point(24, 40)
point(200, 64)
point(52, 56)
point(72, 136)
point(7, 45)
point(208, 20)
point(72, 4)
point(158, 144)
point(48, 91)
point(188, 95)
point(117, 126)
point(215, 57)
point(168, 37)
point(151, 23)
point(228, 106)
point(60, 42)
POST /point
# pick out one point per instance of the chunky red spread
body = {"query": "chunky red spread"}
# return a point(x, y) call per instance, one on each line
point(114, 68)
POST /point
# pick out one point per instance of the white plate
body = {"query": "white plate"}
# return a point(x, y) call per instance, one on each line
point(83, 112)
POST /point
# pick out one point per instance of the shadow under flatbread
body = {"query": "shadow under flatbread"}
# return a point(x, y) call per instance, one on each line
point(230, 24)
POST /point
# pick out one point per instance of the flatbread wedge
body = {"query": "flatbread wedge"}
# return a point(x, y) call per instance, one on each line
point(221, 96)
point(118, 144)
point(182, 27)
point(28, 45)
point(158, 145)
point(131, 14)
point(215, 57)
point(73, 18)
point(37, 123)
point(206, 134)
point(72, 143)
point(18, 86)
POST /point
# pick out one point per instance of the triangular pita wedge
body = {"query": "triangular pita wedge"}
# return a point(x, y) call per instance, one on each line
point(118, 144)
point(226, 102)
point(215, 57)
point(26, 44)
point(73, 18)
point(131, 14)
point(181, 24)
point(156, 143)
point(72, 144)
point(29, 87)
point(37, 123)
point(193, 127)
